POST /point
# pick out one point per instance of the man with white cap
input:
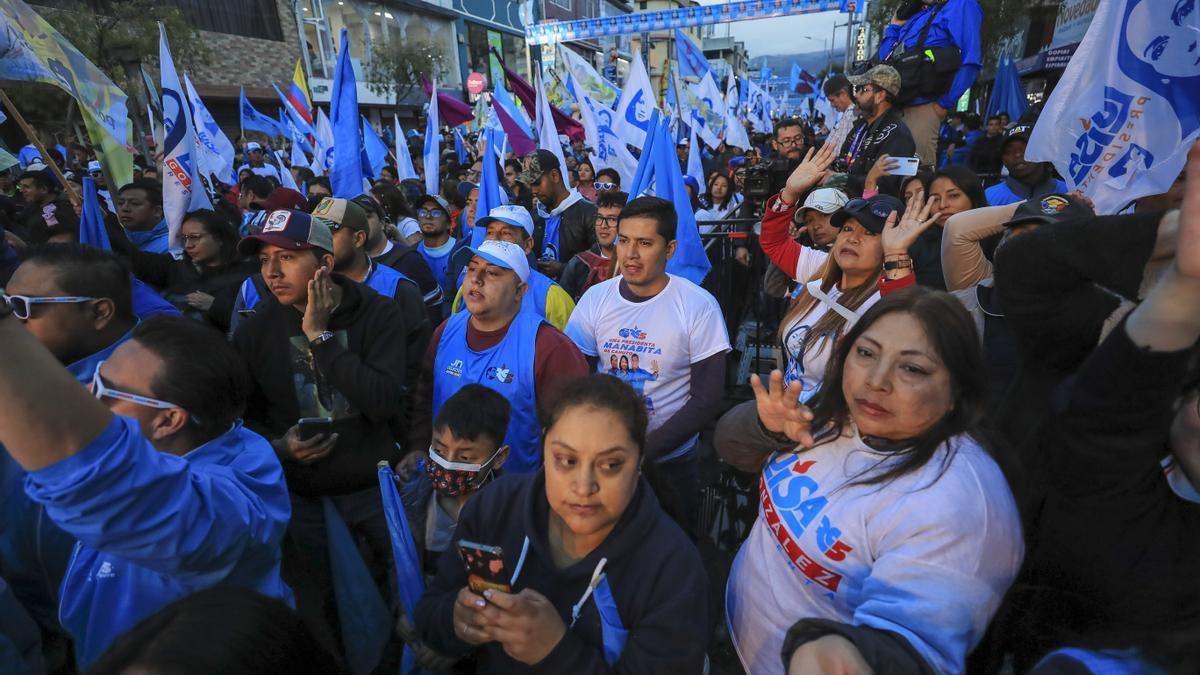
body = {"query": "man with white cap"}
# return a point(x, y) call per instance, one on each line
point(814, 215)
point(512, 223)
point(254, 162)
point(497, 345)
point(97, 173)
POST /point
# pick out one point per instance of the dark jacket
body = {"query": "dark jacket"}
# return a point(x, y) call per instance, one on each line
point(1116, 552)
point(926, 254)
point(409, 262)
point(576, 230)
point(654, 570)
point(356, 378)
point(888, 135)
point(176, 278)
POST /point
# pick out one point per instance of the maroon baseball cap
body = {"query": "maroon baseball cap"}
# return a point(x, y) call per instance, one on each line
point(284, 198)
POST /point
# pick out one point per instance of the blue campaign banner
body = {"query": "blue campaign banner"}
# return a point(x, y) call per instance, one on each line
point(644, 22)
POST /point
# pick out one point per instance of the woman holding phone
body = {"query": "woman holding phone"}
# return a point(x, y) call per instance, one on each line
point(887, 534)
point(600, 577)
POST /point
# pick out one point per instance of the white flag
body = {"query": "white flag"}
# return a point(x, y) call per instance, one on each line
point(608, 149)
point(404, 165)
point(1120, 122)
point(735, 131)
point(182, 189)
point(216, 152)
point(703, 107)
point(433, 145)
point(286, 178)
point(758, 109)
point(587, 82)
point(323, 132)
point(547, 133)
point(635, 105)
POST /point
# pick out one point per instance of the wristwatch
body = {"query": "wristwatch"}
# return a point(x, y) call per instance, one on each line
point(321, 339)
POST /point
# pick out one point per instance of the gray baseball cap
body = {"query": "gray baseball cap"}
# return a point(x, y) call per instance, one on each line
point(885, 77)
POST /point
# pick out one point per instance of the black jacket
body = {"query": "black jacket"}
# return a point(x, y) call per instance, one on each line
point(356, 378)
point(888, 135)
point(654, 571)
point(176, 278)
point(1117, 551)
point(408, 261)
point(576, 230)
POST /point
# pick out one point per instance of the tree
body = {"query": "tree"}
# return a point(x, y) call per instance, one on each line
point(116, 35)
point(400, 66)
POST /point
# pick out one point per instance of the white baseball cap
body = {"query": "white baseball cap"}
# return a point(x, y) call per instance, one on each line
point(500, 253)
point(825, 200)
point(512, 214)
point(252, 146)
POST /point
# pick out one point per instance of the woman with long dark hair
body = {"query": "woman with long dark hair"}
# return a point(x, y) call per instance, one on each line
point(204, 283)
point(722, 200)
point(888, 534)
point(398, 211)
point(953, 190)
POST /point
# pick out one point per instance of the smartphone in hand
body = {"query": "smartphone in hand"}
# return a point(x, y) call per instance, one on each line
point(907, 166)
point(310, 427)
point(485, 567)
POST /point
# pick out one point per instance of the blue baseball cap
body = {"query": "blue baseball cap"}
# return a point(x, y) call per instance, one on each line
point(500, 253)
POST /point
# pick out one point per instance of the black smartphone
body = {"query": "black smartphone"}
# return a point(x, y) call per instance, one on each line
point(485, 567)
point(312, 426)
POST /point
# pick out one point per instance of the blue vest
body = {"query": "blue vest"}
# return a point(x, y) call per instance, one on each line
point(439, 265)
point(383, 280)
point(507, 368)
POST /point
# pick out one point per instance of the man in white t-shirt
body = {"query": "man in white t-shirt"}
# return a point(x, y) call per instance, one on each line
point(668, 339)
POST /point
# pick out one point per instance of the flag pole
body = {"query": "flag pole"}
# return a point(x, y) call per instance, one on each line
point(37, 143)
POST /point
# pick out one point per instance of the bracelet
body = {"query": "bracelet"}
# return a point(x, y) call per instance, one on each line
point(899, 264)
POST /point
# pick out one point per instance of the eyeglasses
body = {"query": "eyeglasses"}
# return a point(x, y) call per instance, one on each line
point(23, 304)
point(789, 142)
point(863, 87)
point(430, 213)
point(189, 238)
point(606, 223)
point(102, 391)
point(604, 187)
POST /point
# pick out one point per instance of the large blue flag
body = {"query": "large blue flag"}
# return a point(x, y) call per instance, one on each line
point(1007, 93)
point(91, 220)
point(362, 612)
point(693, 66)
point(660, 164)
point(252, 120)
point(490, 194)
point(376, 149)
point(406, 560)
point(346, 175)
point(292, 114)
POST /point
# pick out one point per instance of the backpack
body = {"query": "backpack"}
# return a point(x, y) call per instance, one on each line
point(599, 269)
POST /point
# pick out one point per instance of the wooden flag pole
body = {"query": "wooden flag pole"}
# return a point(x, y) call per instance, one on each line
point(37, 143)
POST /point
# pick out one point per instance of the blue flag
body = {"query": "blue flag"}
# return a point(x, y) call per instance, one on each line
point(346, 175)
point(292, 116)
point(364, 617)
point(490, 194)
point(660, 164)
point(459, 147)
point(376, 149)
point(693, 66)
point(91, 221)
point(252, 120)
point(407, 561)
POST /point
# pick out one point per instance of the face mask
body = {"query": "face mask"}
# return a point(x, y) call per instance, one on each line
point(455, 479)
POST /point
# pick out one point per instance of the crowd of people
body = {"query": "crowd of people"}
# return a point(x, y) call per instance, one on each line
point(980, 450)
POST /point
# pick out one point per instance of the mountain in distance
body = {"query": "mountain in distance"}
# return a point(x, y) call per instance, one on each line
point(813, 62)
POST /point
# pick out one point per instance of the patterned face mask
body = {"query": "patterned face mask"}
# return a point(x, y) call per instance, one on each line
point(455, 479)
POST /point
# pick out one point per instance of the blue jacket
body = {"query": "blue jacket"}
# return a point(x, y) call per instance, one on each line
point(154, 527)
point(1011, 191)
point(956, 25)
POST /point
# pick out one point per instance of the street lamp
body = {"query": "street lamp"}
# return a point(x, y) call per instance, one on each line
point(824, 48)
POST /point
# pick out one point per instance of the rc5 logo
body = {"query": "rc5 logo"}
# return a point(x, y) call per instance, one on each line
point(632, 333)
point(500, 374)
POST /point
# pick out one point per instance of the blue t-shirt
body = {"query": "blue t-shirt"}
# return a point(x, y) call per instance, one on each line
point(155, 240)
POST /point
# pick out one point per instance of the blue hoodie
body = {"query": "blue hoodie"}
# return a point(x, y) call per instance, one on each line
point(154, 527)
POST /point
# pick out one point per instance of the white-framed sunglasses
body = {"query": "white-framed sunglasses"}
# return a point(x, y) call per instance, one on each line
point(22, 305)
point(102, 391)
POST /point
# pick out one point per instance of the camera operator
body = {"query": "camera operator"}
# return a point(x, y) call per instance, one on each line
point(934, 44)
point(767, 178)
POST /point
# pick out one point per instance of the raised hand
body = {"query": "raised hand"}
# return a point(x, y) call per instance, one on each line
point(780, 411)
point(322, 298)
point(900, 233)
point(883, 166)
point(813, 169)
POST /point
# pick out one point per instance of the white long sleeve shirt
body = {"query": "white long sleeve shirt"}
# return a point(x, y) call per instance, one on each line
point(928, 555)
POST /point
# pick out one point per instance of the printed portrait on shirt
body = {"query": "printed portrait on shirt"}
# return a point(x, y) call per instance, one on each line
point(315, 395)
point(630, 357)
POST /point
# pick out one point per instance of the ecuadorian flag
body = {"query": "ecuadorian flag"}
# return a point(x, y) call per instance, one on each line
point(298, 95)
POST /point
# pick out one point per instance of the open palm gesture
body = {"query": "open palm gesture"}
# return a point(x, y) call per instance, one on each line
point(812, 170)
point(899, 233)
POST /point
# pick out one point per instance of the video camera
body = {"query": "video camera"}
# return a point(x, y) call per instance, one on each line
point(768, 178)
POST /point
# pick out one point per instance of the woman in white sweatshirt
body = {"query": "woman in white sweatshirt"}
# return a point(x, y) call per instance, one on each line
point(887, 535)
